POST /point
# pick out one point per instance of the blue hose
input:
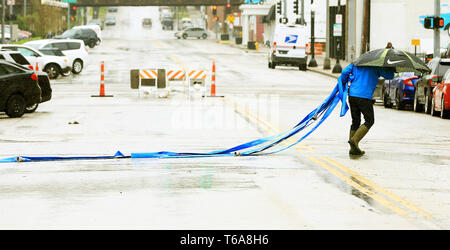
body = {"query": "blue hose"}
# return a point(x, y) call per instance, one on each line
point(252, 148)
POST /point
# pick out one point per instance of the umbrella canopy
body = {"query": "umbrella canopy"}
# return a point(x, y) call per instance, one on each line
point(391, 58)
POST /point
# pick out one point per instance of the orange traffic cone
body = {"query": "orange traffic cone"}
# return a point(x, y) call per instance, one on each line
point(213, 81)
point(102, 82)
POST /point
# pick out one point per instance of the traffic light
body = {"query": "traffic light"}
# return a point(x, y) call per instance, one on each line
point(296, 7)
point(438, 22)
point(228, 8)
point(427, 22)
point(433, 22)
point(279, 7)
point(214, 10)
point(216, 18)
point(73, 13)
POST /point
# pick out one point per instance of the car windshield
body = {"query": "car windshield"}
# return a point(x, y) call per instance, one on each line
point(69, 33)
point(34, 45)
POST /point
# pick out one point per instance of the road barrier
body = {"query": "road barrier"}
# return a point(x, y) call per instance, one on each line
point(318, 48)
point(102, 82)
point(149, 80)
point(197, 79)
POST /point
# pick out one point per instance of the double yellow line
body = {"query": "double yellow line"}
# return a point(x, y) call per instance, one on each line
point(395, 203)
point(389, 200)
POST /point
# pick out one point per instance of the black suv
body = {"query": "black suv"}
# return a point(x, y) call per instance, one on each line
point(423, 92)
point(18, 89)
point(88, 36)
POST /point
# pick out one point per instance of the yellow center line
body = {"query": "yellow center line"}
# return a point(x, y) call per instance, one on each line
point(158, 44)
point(379, 189)
point(360, 188)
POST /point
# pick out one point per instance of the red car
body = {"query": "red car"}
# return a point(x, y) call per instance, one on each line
point(440, 103)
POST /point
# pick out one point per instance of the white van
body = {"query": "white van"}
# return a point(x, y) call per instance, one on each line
point(289, 46)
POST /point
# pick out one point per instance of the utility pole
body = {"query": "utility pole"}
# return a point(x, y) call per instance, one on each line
point(10, 22)
point(303, 22)
point(437, 37)
point(68, 16)
point(24, 7)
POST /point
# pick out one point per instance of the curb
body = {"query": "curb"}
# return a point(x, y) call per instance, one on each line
point(324, 73)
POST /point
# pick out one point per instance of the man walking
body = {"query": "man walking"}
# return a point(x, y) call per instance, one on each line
point(363, 82)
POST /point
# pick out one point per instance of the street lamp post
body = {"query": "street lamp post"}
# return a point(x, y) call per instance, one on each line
point(312, 62)
point(337, 67)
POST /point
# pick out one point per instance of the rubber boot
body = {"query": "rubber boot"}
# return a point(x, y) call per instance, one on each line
point(354, 141)
point(353, 150)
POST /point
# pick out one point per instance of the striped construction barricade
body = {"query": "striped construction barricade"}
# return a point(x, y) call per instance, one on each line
point(176, 76)
point(197, 79)
point(150, 80)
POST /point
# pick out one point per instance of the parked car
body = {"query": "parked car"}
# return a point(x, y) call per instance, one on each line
point(88, 36)
point(74, 49)
point(192, 32)
point(94, 27)
point(440, 103)
point(113, 9)
point(400, 90)
point(424, 87)
point(96, 22)
point(110, 20)
point(43, 79)
point(147, 22)
point(52, 65)
point(18, 89)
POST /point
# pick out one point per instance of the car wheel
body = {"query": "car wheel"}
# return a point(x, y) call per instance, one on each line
point(417, 107)
point(77, 66)
point(270, 65)
point(427, 104)
point(432, 107)
point(386, 100)
point(31, 108)
point(443, 111)
point(91, 44)
point(273, 65)
point(302, 67)
point(15, 107)
point(398, 102)
point(204, 36)
point(185, 36)
point(52, 71)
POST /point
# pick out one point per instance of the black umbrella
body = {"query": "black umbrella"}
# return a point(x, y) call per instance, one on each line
point(392, 58)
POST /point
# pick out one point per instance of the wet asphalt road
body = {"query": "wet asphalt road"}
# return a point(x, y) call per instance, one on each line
point(402, 182)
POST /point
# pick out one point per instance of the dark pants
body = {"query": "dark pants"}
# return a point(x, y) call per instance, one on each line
point(360, 106)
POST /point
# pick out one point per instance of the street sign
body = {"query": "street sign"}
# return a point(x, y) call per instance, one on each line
point(339, 18)
point(231, 18)
point(415, 42)
point(337, 30)
point(11, 2)
point(69, 1)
